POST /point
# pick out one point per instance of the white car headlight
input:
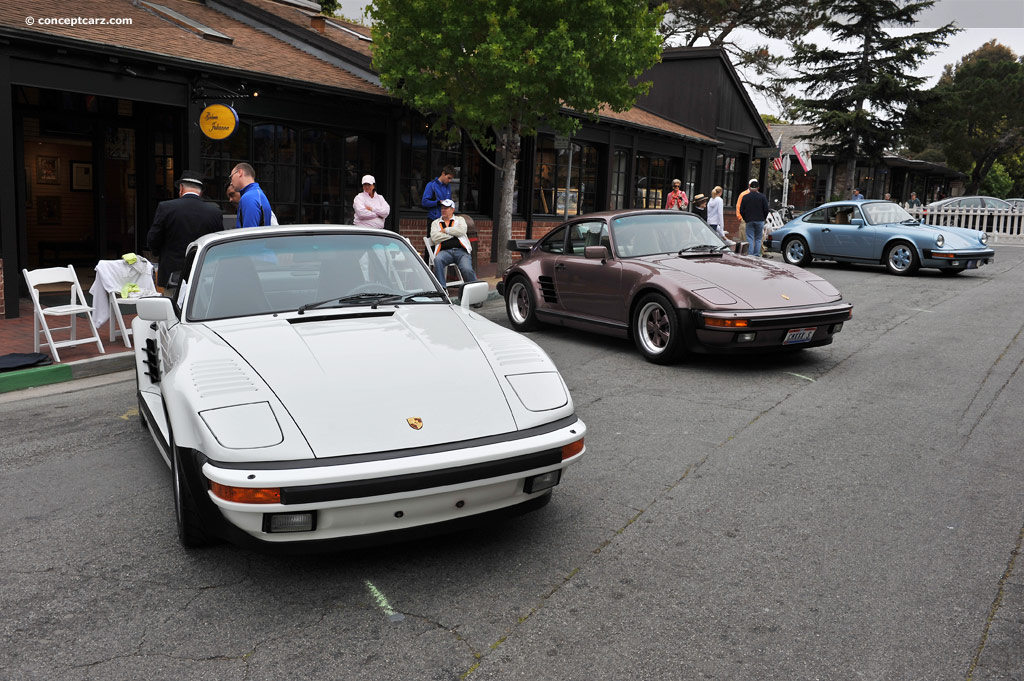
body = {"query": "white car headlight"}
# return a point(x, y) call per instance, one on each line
point(983, 238)
point(540, 391)
point(940, 241)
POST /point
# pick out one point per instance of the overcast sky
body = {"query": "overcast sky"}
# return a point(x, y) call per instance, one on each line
point(981, 21)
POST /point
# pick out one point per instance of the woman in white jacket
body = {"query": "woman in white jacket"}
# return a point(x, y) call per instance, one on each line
point(370, 207)
point(716, 212)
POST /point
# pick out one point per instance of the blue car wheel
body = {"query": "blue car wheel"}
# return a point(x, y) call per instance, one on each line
point(901, 258)
point(795, 251)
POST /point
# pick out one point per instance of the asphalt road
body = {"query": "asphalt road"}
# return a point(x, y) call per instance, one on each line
point(848, 512)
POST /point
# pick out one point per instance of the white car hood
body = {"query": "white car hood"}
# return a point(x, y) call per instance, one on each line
point(351, 381)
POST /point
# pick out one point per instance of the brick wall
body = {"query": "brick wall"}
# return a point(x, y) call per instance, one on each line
point(2, 310)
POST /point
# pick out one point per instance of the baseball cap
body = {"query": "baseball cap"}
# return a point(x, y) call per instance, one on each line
point(754, 184)
point(448, 203)
point(368, 179)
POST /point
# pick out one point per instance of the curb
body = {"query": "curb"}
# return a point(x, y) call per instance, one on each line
point(58, 373)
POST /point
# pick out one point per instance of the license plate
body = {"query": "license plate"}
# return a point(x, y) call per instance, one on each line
point(799, 335)
point(972, 264)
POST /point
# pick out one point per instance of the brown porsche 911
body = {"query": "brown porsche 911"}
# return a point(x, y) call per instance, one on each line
point(669, 282)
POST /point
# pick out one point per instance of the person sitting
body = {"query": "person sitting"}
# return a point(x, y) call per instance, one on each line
point(451, 245)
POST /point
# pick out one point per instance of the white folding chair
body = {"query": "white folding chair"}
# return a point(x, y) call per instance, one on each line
point(459, 281)
point(111, 276)
point(76, 306)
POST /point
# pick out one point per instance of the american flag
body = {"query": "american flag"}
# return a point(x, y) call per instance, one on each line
point(777, 161)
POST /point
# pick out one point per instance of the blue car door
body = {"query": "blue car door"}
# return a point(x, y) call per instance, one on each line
point(847, 234)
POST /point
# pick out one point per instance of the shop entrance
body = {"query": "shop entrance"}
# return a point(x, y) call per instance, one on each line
point(95, 168)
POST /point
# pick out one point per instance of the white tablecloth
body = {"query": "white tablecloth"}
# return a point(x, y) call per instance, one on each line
point(111, 275)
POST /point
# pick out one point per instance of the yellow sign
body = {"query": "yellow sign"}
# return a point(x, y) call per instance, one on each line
point(218, 121)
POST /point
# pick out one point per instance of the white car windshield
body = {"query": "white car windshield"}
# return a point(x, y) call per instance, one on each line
point(293, 272)
point(880, 213)
point(639, 235)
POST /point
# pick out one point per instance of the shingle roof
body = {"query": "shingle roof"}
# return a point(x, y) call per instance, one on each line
point(252, 51)
point(638, 117)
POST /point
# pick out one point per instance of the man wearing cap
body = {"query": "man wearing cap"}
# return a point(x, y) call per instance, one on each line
point(739, 202)
point(253, 206)
point(370, 207)
point(178, 222)
point(754, 211)
point(857, 196)
point(451, 245)
point(437, 191)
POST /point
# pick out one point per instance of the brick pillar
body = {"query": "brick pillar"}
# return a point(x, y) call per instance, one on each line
point(2, 309)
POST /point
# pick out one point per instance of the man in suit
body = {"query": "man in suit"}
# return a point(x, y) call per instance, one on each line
point(178, 223)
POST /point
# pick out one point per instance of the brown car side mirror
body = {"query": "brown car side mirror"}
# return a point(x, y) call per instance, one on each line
point(595, 252)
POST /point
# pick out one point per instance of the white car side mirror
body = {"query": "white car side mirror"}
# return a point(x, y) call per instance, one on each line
point(156, 309)
point(473, 294)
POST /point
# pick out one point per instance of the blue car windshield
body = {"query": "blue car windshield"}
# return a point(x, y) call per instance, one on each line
point(639, 235)
point(884, 211)
point(283, 272)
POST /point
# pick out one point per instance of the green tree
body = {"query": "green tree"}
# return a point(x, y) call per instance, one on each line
point(857, 88)
point(509, 66)
point(329, 7)
point(716, 22)
point(974, 112)
point(997, 182)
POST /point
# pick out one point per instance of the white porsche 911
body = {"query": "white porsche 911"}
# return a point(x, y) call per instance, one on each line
point(318, 386)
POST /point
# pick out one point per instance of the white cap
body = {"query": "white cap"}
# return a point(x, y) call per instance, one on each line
point(368, 179)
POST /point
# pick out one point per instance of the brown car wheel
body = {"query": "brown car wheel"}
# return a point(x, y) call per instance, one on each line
point(521, 305)
point(656, 330)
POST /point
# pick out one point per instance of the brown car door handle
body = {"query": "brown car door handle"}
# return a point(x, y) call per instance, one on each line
point(560, 266)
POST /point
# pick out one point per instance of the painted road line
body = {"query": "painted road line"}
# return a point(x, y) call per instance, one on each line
point(806, 378)
point(382, 603)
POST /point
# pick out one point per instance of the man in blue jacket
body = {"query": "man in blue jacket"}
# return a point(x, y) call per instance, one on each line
point(754, 211)
point(253, 206)
point(436, 192)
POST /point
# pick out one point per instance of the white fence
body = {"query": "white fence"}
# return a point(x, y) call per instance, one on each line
point(1005, 226)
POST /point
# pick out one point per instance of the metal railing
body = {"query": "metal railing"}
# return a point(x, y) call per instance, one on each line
point(1002, 225)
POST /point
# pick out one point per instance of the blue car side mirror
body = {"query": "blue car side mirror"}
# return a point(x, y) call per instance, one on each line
point(857, 221)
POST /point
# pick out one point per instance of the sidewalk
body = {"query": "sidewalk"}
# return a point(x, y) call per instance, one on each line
point(81, 361)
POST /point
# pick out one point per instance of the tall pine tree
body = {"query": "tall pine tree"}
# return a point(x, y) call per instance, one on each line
point(856, 88)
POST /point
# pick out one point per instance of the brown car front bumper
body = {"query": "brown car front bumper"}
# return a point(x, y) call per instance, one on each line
point(716, 331)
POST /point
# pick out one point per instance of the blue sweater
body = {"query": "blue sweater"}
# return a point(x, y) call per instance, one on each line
point(435, 192)
point(253, 199)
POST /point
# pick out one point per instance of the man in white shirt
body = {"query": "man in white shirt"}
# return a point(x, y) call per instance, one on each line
point(370, 207)
point(451, 245)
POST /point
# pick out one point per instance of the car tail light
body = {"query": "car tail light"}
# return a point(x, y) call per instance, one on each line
point(572, 449)
point(726, 323)
point(246, 495)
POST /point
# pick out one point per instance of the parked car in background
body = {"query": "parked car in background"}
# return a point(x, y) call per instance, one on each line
point(990, 202)
point(1016, 204)
point(669, 282)
point(317, 385)
point(879, 232)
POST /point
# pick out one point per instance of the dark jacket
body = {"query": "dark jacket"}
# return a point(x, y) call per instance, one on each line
point(178, 223)
point(754, 207)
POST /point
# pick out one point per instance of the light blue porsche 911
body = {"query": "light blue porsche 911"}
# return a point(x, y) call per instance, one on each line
point(878, 232)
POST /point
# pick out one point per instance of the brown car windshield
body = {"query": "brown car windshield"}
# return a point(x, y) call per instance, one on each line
point(635, 236)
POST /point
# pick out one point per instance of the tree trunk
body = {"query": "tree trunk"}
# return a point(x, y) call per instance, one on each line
point(510, 144)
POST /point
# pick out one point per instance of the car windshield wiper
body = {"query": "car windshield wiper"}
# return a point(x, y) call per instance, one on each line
point(354, 298)
point(698, 247)
point(418, 294)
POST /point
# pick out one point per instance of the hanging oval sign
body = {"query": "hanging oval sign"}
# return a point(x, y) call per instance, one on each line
point(218, 121)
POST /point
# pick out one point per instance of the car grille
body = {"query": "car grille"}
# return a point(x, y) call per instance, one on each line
point(547, 289)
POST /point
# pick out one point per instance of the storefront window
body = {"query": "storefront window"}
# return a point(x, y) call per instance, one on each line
point(559, 189)
point(690, 183)
point(310, 176)
point(423, 157)
point(725, 176)
point(652, 181)
point(620, 173)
